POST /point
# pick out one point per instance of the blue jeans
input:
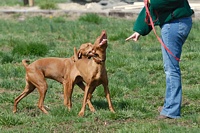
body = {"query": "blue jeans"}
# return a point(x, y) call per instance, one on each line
point(173, 35)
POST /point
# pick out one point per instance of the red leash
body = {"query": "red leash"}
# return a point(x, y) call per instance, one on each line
point(149, 18)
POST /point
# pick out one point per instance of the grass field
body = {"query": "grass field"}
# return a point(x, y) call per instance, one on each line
point(136, 77)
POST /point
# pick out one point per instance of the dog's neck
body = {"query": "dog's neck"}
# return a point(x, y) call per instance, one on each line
point(98, 60)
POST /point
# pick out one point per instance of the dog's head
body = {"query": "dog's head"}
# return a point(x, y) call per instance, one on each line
point(88, 50)
point(101, 41)
point(99, 47)
point(97, 51)
point(84, 50)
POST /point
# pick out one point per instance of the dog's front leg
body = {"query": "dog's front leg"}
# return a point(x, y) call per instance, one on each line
point(107, 93)
point(68, 87)
point(81, 113)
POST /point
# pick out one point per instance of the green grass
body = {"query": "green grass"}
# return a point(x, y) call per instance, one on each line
point(48, 5)
point(136, 77)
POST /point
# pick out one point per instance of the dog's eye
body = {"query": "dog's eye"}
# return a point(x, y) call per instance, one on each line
point(96, 55)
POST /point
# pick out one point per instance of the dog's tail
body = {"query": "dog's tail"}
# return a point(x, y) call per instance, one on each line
point(24, 62)
point(75, 54)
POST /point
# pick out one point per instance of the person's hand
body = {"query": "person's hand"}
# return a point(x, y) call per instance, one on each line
point(135, 37)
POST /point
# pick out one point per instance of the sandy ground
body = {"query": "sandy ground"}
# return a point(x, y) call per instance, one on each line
point(63, 6)
point(93, 6)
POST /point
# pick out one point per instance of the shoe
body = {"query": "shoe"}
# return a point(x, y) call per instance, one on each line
point(162, 117)
point(160, 108)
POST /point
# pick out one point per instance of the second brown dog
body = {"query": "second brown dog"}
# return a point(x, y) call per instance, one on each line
point(93, 72)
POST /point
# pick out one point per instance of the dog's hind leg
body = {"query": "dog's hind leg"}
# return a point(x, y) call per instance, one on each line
point(89, 97)
point(42, 89)
point(38, 80)
point(82, 86)
point(81, 113)
point(28, 89)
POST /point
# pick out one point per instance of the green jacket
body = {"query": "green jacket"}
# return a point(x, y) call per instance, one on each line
point(162, 11)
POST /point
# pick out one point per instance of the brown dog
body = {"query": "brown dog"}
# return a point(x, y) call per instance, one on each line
point(52, 68)
point(92, 72)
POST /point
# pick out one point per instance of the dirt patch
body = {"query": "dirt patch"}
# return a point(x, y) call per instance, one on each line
point(62, 6)
point(76, 6)
point(73, 9)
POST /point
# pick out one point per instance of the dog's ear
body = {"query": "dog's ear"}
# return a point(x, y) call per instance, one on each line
point(79, 53)
point(84, 50)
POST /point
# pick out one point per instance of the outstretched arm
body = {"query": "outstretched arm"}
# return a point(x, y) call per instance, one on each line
point(135, 37)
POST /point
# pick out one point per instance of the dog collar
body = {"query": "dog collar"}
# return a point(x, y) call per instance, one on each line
point(98, 60)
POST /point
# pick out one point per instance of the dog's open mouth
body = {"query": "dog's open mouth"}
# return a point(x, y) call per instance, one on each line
point(103, 39)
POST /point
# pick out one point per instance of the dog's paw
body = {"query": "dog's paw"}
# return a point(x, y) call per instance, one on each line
point(81, 114)
point(92, 109)
point(46, 107)
point(69, 109)
point(112, 110)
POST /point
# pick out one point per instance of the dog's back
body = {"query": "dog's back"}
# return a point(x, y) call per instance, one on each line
point(52, 67)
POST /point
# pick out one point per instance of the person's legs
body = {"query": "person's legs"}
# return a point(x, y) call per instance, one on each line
point(173, 35)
